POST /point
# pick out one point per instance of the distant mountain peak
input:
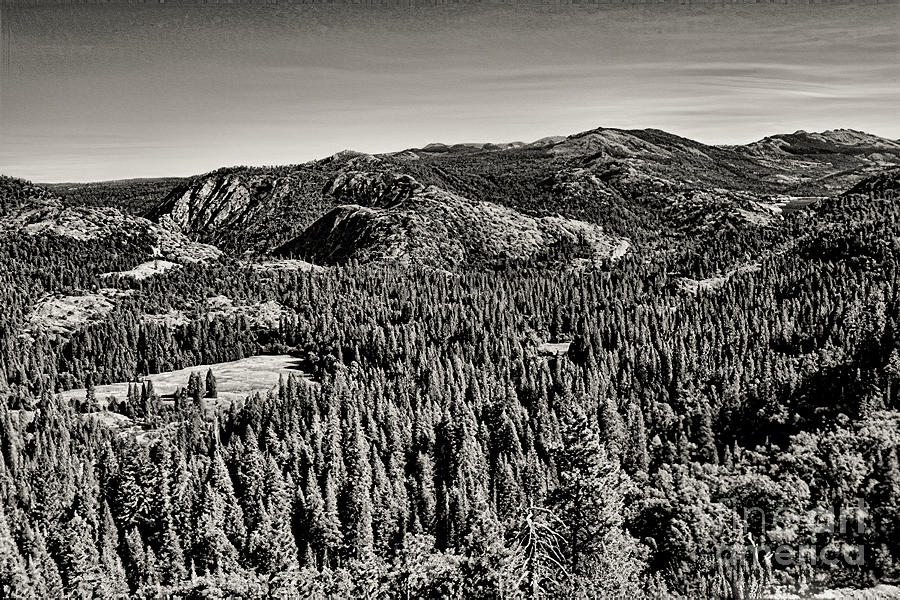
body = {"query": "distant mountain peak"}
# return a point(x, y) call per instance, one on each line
point(839, 136)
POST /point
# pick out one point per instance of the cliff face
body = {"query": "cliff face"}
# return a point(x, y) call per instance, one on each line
point(217, 202)
point(395, 218)
point(38, 212)
point(213, 207)
point(253, 208)
point(245, 209)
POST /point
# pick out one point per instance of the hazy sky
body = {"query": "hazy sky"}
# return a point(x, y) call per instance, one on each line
point(105, 92)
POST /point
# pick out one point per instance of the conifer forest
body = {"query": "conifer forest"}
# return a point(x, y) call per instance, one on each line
point(620, 364)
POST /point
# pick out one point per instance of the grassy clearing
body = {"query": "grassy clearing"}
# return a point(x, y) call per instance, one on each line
point(143, 270)
point(554, 348)
point(235, 380)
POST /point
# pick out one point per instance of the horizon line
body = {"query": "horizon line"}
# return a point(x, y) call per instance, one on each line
point(445, 144)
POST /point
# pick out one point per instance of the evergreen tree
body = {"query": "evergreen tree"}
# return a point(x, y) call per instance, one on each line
point(357, 494)
point(113, 582)
point(211, 386)
point(77, 557)
point(636, 458)
point(195, 389)
point(601, 557)
point(212, 551)
point(14, 579)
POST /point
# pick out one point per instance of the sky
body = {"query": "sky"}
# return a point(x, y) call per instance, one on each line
point(92, 93)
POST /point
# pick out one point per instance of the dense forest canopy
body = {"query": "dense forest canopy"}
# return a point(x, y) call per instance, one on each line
point(713, 414)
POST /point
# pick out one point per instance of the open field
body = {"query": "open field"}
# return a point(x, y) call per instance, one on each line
point(143, 270)
point(554, 348)
point(235, 380)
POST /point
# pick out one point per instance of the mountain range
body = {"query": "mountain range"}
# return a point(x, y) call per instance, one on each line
point(577, 200)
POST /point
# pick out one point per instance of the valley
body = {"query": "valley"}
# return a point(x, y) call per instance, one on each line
point(618, 346)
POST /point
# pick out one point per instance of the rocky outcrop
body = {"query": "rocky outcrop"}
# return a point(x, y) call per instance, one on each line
point(373, 189)
point(215, 203)
point(254, 208)
point(142, 271)
point(260, 316)
point(285, 265)
point(61, 314)
point(45, 215)
point(247, 209)
point(395, 218)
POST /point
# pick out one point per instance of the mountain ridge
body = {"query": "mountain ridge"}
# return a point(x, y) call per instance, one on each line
point(394, 217)
point(616, 178)
point(653, 188)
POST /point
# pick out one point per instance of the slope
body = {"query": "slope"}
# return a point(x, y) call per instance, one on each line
point(391, 217)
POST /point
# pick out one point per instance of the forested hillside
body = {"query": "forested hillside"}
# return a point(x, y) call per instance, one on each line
point(135, 196)
point(640, 184)
point(660, 425)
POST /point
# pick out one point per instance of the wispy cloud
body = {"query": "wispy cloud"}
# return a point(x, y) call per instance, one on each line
point(164, 90)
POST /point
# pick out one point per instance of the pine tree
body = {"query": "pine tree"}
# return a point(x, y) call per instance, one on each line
point(129, 498)
point(272, 547)
point(636, 458)
point(220, 479)
point(212, 551)
point(77, 557)
point(508, 493)
point(706, 442)
point(113, 581)
point(170, 564)
point(612, 429)
point(601, 557)
point(42, 569)
point(195, 389)
point(14, 579)
point(211, 387)
point(357, 494)
point(314, 529)
point(330, 525)
point(134, 557)
point(250, 480)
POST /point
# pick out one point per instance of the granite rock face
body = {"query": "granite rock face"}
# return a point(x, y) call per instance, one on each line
point(253, 208)
point(43, 214)
point(216, 203)
point(395, 218)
